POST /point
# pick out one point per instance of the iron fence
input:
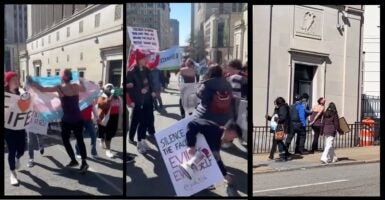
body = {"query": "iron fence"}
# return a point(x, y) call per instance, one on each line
point(263, 139)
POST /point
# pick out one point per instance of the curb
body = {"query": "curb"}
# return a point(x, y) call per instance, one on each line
point(318, 166)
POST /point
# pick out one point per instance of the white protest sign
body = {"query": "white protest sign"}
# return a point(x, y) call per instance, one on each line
point(170, 58)
point(143, 38)
point(37, 125)
point(172, 145)
point(17, 110)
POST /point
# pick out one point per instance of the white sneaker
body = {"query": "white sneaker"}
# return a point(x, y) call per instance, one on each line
point(109, 154)
point(141, 148)
point(13, 179)
point(145, 145)
point(17, 165)
point(227, 145)
point(78, 156)
point(335, 159)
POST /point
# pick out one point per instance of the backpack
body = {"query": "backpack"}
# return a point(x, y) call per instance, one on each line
point(294, 116)
point(221, 102)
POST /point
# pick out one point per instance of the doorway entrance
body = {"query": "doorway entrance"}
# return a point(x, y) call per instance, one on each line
point(303, 80)
point(115, 72)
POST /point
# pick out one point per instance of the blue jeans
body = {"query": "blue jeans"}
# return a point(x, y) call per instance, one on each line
point(33, 141)
point(90, 129)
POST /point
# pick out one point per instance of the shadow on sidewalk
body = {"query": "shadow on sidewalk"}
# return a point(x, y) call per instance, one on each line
point(164, 113)
point(235, 151)
point(240, 179)
point(90, 179)
point(46, 189)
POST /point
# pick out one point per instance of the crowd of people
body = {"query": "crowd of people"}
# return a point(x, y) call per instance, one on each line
point(217, 93)
point(104, 112)
point(292, 120)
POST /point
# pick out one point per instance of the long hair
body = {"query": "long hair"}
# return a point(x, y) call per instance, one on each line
point(331, 110)
point(319, 100)
point(280, 101)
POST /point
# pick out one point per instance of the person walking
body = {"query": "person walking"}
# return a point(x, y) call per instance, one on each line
point(72, 118)
point(33, 141)
point(316, 122)
point(330, 126)
point(89, 128)
point(298, 121)
point(156, 80)
point(140, 90)
point(188, 77)
point(110, 108)
point(15, 139)
point(282, 118)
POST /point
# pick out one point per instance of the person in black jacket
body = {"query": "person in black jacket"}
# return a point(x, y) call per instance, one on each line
point(140, 90)
point(283, 120)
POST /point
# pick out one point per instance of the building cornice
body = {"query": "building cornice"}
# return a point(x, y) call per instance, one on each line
point(313, 53)
point(76, 16)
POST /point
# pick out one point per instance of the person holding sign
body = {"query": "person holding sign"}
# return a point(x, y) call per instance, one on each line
point(15, 138)
point(215, 136)
point(72, 118)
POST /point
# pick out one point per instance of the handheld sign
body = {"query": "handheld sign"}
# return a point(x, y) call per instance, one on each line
point(172, 145)
point(143, 38)
point(17, 110)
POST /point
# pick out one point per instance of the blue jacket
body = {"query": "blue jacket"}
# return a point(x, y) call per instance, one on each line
point(301, 114)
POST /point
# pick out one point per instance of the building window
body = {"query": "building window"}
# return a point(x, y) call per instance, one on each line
point(81, 56)
point(49, 39)
point(57, 72)
point(68, 31)
point(81, 27)
point(81, 73)
point(57, 36)
point(48, 72)
point(97, 20)
point(68, 58)
point(118, 12)
point(37, 71)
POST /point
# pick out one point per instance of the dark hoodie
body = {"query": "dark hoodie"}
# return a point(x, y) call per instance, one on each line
point(206, 92)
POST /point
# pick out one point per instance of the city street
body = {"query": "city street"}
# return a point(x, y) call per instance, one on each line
point(349, 180)
point(50, 177)
point(149, 170)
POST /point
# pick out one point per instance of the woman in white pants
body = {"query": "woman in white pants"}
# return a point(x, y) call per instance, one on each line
point(330, 126)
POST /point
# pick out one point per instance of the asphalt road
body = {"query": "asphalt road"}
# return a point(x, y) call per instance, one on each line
point(347, 180)
point(50, 177)
point(148, 176)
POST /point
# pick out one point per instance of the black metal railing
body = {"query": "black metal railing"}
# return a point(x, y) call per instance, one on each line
point(263, 139)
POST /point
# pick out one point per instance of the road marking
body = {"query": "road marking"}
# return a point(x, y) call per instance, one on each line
point(297, 186)
point(61, 148)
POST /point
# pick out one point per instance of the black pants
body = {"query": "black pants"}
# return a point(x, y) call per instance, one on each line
point(142, 121)
point(16, 145)
point(301, 137)
point(182, 112)
point(273, 148)
point(109, 131)
point(77, 129)
point(317, 131)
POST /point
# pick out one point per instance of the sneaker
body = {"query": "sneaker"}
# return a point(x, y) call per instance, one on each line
point(78, 156)
point(73, 163)
point(41, 151)
point(130, 159)
point(30, 163)
point(325, 162)
point(281, 160)
point(17, 165)
point(141, 148)
point(227, 145)
point(131, 142)
point(335, 159)
point(13, 179)
point(83, 168)
point(145, 145)
point(109, 154)
point(231, 191)
point(95, 156)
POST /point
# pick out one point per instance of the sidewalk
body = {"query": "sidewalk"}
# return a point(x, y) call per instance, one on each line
point(358, 155)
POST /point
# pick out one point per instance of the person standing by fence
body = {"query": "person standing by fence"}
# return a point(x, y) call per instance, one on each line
point(283, 123)
point(316, 122)
point(297, 117)
point(330, 126)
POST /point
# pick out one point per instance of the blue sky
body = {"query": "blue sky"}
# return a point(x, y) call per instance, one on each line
point(182, 13)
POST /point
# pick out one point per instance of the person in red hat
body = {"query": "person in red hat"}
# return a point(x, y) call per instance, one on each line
point(140, 90)
point(15, 139)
